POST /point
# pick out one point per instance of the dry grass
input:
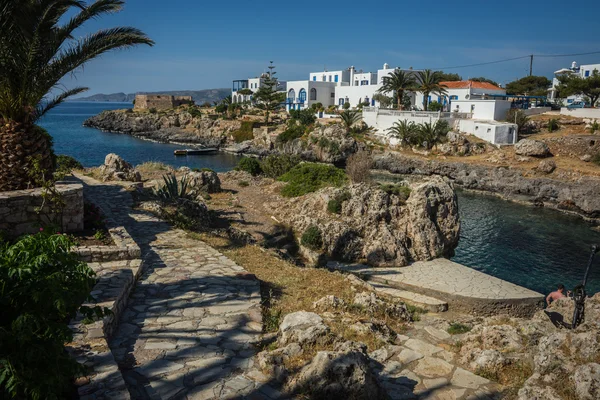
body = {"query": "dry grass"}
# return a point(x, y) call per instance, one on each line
point(153, 170)
point(511, 376)
point(286, 288)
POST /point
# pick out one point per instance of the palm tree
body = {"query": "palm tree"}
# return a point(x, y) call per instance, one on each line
point(349, 118)
point(399, 82)
point(405, 131)
point(37, 49)
point(433, 133)
point(428, 81)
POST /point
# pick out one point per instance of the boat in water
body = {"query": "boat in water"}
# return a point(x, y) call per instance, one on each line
point(191, 152)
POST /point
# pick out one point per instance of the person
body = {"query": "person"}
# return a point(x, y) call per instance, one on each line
point(557, 294)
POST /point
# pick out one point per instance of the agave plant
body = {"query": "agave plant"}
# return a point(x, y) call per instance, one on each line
point(38, 47)
point(172, 189)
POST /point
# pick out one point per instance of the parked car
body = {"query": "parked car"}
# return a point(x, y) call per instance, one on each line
point(553, 106)
point(577, 104)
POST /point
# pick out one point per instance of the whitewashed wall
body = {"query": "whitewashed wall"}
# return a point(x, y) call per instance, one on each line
point(492, 132)
point(581, 112)
point(382, 120)
point(493, 110)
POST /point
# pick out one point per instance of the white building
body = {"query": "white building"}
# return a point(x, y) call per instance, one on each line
point(303, 94)
point(253, 84)
point(583, 71)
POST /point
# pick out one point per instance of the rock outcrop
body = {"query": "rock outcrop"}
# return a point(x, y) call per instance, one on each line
point(580, 195)
point(532, 148)
point(381, 228)
point(117, 169)
point(205, 181)
point(459, 145)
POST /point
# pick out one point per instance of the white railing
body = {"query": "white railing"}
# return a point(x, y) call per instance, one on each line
point(422, 114)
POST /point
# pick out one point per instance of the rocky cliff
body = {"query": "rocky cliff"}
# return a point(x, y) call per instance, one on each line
point(377, 227)
point(580, 196)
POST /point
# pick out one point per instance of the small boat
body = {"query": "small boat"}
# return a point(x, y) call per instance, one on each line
point(190, 152)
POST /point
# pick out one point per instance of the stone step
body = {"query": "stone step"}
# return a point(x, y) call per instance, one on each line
point(415, 299)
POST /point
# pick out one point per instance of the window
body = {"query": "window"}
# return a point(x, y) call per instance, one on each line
point(372, 102)
point(329, 78)
point(453, 97)
point(341, 101)
point(363, 83)
point(291, 95)
point(302, 96)
point(324, 78)
point(313, 94)
point(355, 83)
point(366, 100)
point(587, 73)
point(315, 78)
point(336, 78)
point(333, 95)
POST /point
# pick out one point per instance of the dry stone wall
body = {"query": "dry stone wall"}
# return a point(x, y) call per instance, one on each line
point(18, 210)
point(160, 102)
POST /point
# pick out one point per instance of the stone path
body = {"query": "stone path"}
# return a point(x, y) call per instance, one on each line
point(463, 288)
point(193, 319)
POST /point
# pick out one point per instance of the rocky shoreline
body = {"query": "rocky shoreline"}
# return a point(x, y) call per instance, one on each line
point(579, 197)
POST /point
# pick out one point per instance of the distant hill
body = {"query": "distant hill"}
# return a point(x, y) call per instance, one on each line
point(199, 96)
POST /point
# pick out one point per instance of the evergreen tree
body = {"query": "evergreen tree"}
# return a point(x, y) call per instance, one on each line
point(267, 97)
point(590, 86)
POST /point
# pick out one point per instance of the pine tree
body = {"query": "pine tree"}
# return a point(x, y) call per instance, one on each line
point(267, 97)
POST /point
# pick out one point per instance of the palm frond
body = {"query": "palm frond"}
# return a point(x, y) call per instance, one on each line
point(43, 109)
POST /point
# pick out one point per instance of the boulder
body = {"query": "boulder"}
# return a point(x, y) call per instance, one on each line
point(205, 181)
point(340, 374)
point(538, 393)
point(304, 328)
point(533, 148)
point(586, 158)
point(504, 338)
point(382, 228)
point(371, 303)
point(587, 381)
point(546, 166)
point(117, 169)
point(329, 302)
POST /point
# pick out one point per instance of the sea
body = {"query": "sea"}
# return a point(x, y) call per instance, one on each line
point(533, 247)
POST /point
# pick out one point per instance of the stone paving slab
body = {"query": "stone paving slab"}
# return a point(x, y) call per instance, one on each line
point(463, 288)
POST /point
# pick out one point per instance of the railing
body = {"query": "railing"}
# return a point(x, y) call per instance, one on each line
point(425, 114)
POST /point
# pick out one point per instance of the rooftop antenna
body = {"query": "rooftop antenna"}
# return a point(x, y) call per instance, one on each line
point(271, 67)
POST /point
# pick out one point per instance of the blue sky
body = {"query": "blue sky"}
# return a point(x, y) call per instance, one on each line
point(206, 44)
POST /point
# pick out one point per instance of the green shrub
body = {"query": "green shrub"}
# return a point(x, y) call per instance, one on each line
point(250, 165)
point(346, 105)
point(293, 131)
point(306, 117)
point(271, 319)
point(397, 190)
point(312, 238)
point(42, 286)
point(596, 159)
point(67, 163)
point(435, 106)
point(243, 183)
point(194, 112)
point(245, 132)
point(553, 125)
point(152, 110)
point(594, 126)
point(276, 165)
point(457, 328)
point(334, 205)
point(310, 177)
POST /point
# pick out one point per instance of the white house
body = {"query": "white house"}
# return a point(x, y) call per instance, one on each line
point(253, 84)
point(583, 71)
point(303, 94)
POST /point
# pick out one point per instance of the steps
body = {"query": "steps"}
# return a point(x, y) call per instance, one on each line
point(415, 299)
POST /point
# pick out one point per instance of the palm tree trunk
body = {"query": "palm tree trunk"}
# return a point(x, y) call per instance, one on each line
point(19, 145)
point(425, 100)
point(400, 96)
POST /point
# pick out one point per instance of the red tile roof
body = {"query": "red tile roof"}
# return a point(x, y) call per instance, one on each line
point(473, 84)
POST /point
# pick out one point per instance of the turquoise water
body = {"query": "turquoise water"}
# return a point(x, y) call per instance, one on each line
point(90, 146)
point(532, 247)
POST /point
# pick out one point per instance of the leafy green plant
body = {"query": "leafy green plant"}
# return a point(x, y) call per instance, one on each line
point(250, 165)
point(553, 124)
point(518, 117)
point(415, 312)
point(293, 131)
point(172, 189)
point(245, 132)
point(194, 112)
point(396, 190)
point(596, 159)
point(243, 183)
point(99, 235)
point(312, 238)
point(42, 286)
point(457, 328)
point(152, 110)
point(406, 131)
point(271, 319)
point(334, 205)
point(305, 117)
point(350, 118)
point(67, 163)
point(594, 127)
point(310, 177)
point(276, 165)
point(346, 105)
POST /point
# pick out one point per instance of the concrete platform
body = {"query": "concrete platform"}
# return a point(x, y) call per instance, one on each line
point(463, 288)
point(426, 302)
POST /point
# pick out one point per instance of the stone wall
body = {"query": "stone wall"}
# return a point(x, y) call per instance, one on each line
point(18, 214)
point(160, 102)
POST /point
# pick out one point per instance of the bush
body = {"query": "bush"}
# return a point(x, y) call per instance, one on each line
point(310, 177)
point(243, 183)
point(435, 106)
point(346, 105)
point(67, 163)
point(358, 167)
point(553, 125)
point(173, 189)
point(334, 206)
point(250, 165)
point(518, 117)
point(458, 328)
point(152, 110)
point(312, 238)
point(194, 112)
point(596, 159)
point(245, 132)
point(43, 285)
point(276, 165)
point(306, 117)
point(594, 126)
point(397, 190)
point(293, 131)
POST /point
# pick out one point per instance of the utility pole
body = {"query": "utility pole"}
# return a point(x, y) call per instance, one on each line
point(531, 65)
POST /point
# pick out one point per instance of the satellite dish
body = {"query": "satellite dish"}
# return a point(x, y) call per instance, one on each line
point(467, 96)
